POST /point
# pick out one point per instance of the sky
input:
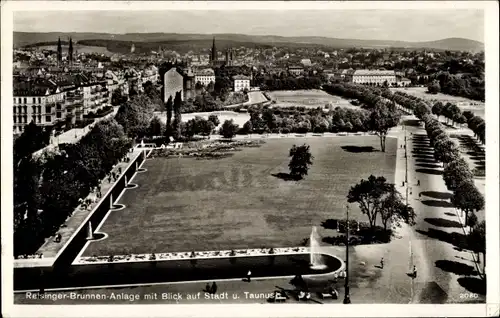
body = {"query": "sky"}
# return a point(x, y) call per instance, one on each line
point(404, 25)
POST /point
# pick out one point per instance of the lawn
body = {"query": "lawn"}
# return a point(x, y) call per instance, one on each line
point(463, 103)
point(308, 98)
point(187, 204)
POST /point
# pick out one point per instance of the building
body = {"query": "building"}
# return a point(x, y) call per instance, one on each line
point(371, 77)
point(329, 73)
point(173, 83)
point(213, 52)
point(229, 57)
point(295, 70)
point(241, 82)
point(306, 62)
point(40, 101)
point(403, 82)
point(204, 76)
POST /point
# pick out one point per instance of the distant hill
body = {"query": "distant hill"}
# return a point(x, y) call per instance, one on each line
point(22, 39)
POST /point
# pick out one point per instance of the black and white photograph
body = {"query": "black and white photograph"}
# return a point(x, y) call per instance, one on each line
point(259, 155)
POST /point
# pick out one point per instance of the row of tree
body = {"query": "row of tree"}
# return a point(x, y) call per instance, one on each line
point(457, 174)
point(367, 95)
point(47, 188)
point(454, 113)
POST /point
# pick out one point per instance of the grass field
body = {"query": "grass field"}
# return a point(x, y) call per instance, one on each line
point(463, 103)
point(308, 98)
point(187, 204)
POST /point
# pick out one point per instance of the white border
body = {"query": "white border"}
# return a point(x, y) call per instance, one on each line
point(492, 98)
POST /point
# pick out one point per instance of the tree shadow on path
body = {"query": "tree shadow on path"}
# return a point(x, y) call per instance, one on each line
point(456, 267)
point(436, 203)
point(443, 222)
point(424, 156)
point(429, 166)
point(473, 284)
point(429, 171)
point(454, 238)
point(437, 195)
point(423, 160)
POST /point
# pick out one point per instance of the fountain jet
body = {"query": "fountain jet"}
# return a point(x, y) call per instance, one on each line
point(315, 256)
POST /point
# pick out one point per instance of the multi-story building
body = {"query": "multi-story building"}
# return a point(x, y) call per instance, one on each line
point(40, 101)
point(173, 83)
point(295, 70)
point(376, 77)
point(204, 76)
point(241, 82)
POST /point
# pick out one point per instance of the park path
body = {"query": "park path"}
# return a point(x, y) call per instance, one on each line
point(440, 263)
point(51, 248)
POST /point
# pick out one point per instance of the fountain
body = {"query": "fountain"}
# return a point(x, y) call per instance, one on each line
point(316, 258)
point(126, 183)
point(111, 202)
point(142, 143)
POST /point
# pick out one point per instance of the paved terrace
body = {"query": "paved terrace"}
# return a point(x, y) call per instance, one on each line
point(51, 249)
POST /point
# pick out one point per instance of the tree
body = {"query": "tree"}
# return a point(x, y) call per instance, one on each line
point(300, 162)
point(382, 118)
point(437, 109)
point(118, 98)
point(156, 127)
point(393, 209)
point(176, 124)
point(467, 198)
point(169, 107)
point(228, 129)
point(456, 173)
point(32, 139)
point(206, 127)
point(445, 150)
point(434, 87)
point(368, 194)
point(135, 116)
point(476, 240)
point(214, 119)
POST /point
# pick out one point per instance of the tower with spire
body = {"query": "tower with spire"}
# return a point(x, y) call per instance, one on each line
point(70, 51)
point(213, 56)
point(59, 52)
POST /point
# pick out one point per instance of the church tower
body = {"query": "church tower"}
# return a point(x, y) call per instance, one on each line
point(213, 57)
point(70, 51)
point(59, 52)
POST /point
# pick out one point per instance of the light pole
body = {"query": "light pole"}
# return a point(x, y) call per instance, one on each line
point(347, 297)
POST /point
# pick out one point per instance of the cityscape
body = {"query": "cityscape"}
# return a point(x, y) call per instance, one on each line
point(229, 167)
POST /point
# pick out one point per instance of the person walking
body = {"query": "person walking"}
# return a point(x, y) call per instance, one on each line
point(414, 271)
point(208, 289)
point(249, 276)
point(214, 288)
point(382, 262)
point(418, 182)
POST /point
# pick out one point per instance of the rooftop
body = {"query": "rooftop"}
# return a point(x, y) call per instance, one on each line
point(241, 77)
point(373, 72)
point(205, 72)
